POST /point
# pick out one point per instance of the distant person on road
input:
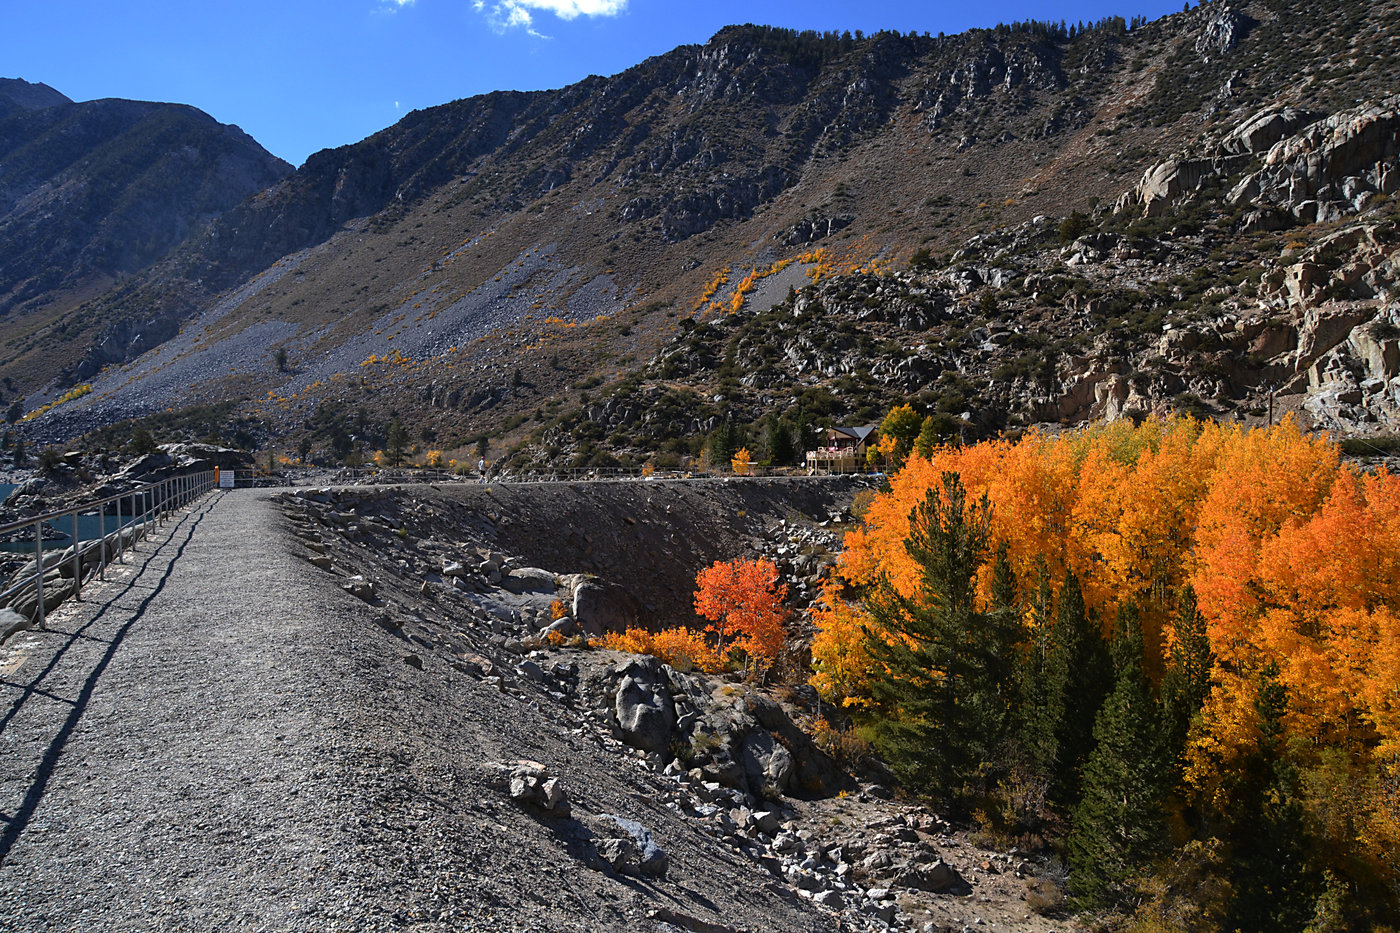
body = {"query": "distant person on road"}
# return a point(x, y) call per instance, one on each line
point(481, 470)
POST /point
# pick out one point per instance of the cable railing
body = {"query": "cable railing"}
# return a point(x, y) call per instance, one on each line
point(96, 544)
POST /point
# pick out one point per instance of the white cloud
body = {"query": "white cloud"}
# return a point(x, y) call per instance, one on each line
point(513, 14)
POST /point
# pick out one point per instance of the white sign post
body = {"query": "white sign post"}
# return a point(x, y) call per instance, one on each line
point(225, 479)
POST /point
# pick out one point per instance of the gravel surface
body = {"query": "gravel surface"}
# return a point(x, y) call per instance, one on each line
point(219, 738)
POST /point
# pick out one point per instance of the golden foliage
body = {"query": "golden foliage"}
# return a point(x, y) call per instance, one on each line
point(741, 462)
point(1294, 558)
point(679, 647)
point(846, 745)
point(76, 392)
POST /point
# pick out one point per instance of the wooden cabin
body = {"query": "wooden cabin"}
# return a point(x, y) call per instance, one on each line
point(843, 450)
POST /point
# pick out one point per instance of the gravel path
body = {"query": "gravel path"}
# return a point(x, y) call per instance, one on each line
point(155, 739)
point(219, 738)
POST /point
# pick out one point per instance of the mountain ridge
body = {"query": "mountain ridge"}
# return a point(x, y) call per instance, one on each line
point(566, 234)
point(94, 192)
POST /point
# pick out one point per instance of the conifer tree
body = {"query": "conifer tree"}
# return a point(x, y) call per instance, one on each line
point(397, 441)
point(1003, 581)
point(1119, 822)
point(1038, 718)
point(1078, 675)
point(1186, 680)
point(1275, 884)
point(944, 685)
point(781, 450)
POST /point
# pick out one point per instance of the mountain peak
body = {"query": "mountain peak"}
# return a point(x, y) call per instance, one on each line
point(30, 96)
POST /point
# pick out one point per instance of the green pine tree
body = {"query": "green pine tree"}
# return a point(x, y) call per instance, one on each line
point(722, 444)
point(397, 443)
point(1003, 581)
point(781, 450)
point(1276, 885)
point(945, 690)
point(1186, 680)
point(1078, 675)
point(1119, 824)
point(1038, 720)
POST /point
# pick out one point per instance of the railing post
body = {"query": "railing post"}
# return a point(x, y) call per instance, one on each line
point(121, 533)
point(39, 560)
point(102, 541)
point(77, 560)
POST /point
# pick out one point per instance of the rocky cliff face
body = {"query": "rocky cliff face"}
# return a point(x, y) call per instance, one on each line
point(700, 137)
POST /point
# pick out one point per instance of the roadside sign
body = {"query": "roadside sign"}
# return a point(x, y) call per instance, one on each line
point(225, 479)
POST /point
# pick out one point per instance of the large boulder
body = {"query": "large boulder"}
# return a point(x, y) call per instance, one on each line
point(1331, 167)
point(528, 580)
point(598, 609)
point(1168, 181)
point(1261, 131)
point(767, 764)
point(936, 877)
point(530, 782)
point(645, 712)
point(12, 622)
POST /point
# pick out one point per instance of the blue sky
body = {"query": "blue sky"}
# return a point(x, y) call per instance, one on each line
point(302, 75)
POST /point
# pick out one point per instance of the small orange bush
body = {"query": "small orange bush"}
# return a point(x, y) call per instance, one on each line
point(678, 647)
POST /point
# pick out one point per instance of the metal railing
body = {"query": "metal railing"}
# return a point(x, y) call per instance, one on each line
point(137, 512)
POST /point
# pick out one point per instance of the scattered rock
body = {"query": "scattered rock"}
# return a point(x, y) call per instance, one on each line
point(359, 587)
point(938, 877)
point(631, 851)
point(530, 782)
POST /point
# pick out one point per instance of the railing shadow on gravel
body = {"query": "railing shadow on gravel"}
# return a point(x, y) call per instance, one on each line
point(16, 823)
point(77, 635)
point(138, 511)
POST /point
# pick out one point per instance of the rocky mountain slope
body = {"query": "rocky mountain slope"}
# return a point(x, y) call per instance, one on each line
point(484, 266)
point(93, 192)
point(1257, 277)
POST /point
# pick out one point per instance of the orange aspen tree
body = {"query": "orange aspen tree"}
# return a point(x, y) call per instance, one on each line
point(744, 602)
